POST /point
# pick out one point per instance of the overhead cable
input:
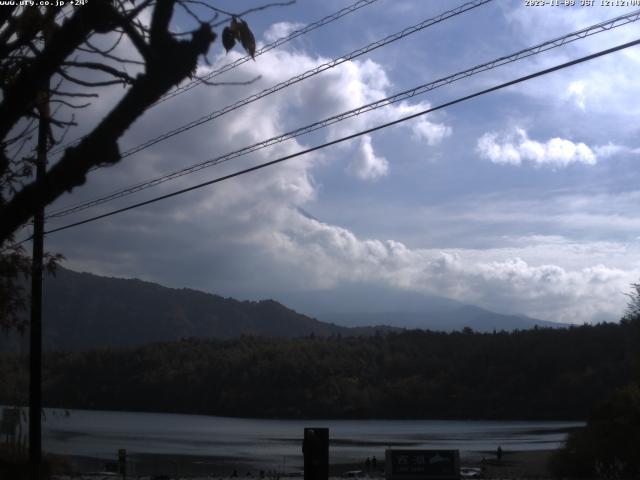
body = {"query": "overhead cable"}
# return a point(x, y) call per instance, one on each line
point(231, 65)
point(352, 136)
point(309, 73)
point(270, 46)
point(398, 97)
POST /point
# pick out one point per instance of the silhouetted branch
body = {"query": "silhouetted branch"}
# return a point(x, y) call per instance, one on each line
point(103, 68)
point(74, 94)
point(59, 49)
point(91, 84)
point(254, 9)
point(247, 82)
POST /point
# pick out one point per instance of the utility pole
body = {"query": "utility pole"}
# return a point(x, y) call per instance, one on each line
point(35, 340)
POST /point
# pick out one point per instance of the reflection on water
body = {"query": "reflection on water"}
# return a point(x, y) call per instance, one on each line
point(100, 434)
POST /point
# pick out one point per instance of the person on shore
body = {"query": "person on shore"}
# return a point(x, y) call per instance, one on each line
point(374, 462)
point(499, 454)
point(367, 464)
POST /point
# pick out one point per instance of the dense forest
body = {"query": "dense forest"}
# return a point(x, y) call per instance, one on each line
point(533, 374)
point(609, 445)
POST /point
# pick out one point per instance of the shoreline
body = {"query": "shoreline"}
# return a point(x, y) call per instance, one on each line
point(514, 464)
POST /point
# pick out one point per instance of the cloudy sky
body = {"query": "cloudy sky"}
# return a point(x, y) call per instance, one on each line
point(523, 201)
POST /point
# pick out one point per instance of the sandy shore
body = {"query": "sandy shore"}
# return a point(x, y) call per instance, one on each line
point(520, 465)
point(530, 464)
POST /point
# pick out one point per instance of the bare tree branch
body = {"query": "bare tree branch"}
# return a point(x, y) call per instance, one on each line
point(134, 36)
point(178, 60)
point(108, 50)
point(44, 53)
point(91, 84)
point(61, 123)
point(254, 9)
point(107, 53)
point(70, 105)
point(217, 84)
point(74, 94)
point(103, 68)
point(19, 97)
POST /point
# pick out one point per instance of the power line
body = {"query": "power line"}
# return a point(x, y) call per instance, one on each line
point(231, 65)
point(309, 73)
point(352, 136)
point(293, 35)
point(421, 89)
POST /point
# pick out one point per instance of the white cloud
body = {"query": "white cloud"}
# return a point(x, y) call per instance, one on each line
point(345, 87)
point(342, 88)
point(489, 148)
point(612, 149)
point(280, 30)
point(514, 149)
point(544, 290)
point(432, 133)
point(366, 165)
point(248, 233)
point(605, 85)
point(575, 90)
point(423, 129)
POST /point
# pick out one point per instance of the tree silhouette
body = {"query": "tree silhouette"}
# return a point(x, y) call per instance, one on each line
point(53, 61)
point(609, 445)
point(37, 49)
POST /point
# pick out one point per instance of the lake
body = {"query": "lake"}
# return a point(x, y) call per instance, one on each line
point(259, 441)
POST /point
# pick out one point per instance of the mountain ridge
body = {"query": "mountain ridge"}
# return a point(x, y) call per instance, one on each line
point(365, 305)
point(83, 310)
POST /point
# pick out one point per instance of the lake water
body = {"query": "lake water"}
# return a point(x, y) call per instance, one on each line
point(101, 433)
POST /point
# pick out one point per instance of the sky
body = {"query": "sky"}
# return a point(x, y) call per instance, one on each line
point(524, 200)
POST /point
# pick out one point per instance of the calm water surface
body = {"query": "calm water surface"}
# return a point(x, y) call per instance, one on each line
point(101, 434)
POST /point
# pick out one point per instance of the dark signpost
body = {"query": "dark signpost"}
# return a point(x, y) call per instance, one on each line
point(122, 462)
point(422, 464)
point(315, 448)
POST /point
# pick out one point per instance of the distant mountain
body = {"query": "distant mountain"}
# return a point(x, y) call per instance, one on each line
point(476, 318)
point(83, 311)
point(359, 305)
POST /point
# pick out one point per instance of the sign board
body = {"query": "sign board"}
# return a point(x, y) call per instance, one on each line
point(315, 448)
point(122, 462)
point(422, 464)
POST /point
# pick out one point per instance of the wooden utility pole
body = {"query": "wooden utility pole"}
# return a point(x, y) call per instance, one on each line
point(35, 340)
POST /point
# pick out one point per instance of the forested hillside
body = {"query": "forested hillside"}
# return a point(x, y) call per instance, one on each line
point(535, 374)
point(84, 311)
